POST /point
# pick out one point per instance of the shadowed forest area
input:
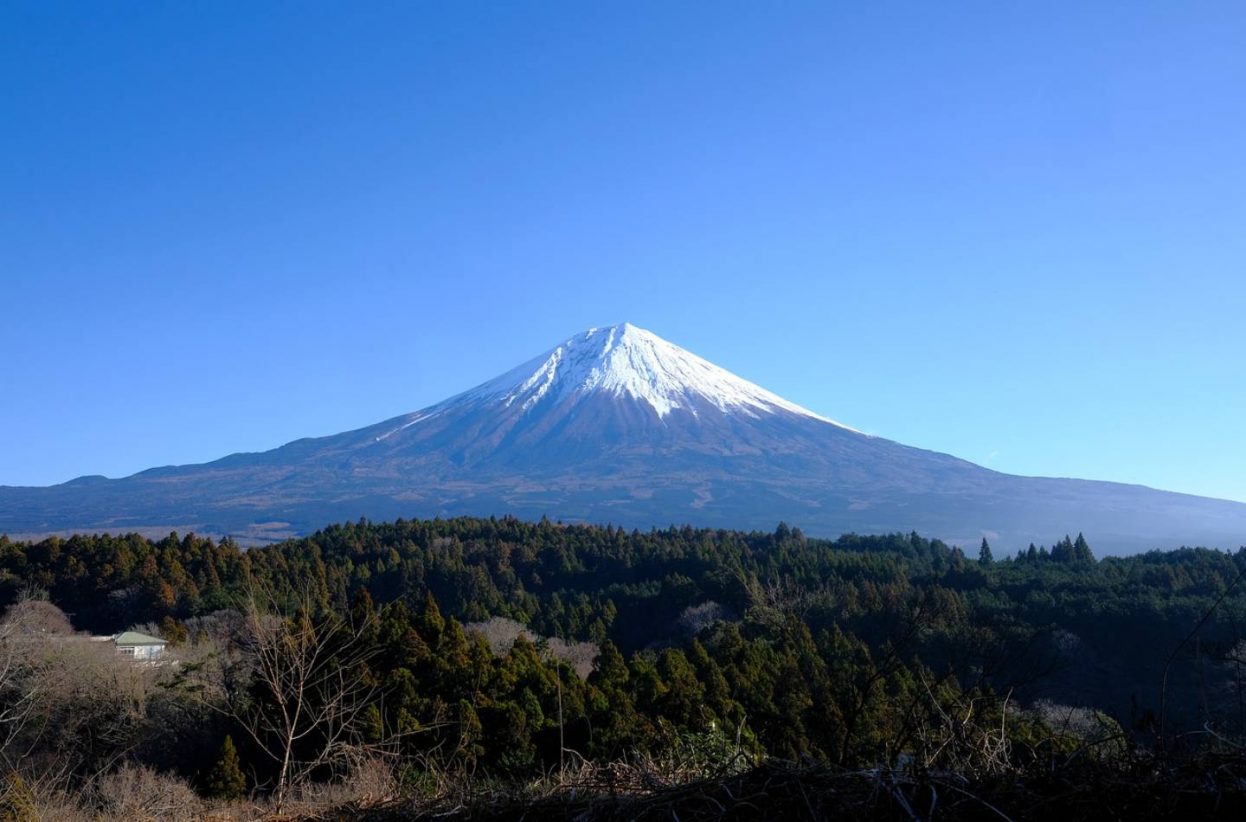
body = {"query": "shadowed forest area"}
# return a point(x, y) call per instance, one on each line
point(472, 666)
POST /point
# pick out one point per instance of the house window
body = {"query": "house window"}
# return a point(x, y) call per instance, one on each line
point(126, 651)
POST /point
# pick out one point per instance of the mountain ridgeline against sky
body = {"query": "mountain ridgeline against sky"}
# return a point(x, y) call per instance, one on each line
point(618, 425)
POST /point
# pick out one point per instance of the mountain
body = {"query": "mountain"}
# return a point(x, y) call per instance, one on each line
point(618, 425)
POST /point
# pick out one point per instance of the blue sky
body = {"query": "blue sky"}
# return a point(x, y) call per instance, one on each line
point(1013, 232)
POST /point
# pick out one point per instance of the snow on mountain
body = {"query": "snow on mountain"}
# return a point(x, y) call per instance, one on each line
point(624, 360)
point(618, 425)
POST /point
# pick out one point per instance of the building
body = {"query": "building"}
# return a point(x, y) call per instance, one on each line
point(140, 646)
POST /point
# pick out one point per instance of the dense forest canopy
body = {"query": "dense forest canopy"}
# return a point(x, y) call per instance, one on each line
point(1112, 618)
point(846, 650)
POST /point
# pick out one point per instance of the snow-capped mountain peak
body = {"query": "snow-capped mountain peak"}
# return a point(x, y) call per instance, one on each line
point(624, 360)
point(617, 425)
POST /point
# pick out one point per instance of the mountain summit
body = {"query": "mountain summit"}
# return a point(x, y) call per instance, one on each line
point(618, 425)
point(626, 361)
point(603, 391)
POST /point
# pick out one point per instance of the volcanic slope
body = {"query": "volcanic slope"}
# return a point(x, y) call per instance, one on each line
point(618, 425)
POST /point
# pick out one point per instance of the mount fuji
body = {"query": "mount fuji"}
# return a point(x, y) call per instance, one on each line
point(618, 425)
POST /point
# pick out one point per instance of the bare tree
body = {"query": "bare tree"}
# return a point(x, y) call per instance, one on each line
point(306, 699)
point(70, 707)
point(33, 616)
point(500, 633)
point(18, 695)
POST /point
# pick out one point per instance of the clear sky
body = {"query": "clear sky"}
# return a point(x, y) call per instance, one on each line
point(1015, 232)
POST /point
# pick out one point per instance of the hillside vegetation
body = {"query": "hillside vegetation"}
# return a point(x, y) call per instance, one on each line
point(707, 653)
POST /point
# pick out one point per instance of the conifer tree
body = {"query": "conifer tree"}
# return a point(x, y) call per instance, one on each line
point(1081, 550)
point(609, 669)
point(226, 780)
point(430, 623)
point(173, 631)
point(984, 553)
point(1062, 551)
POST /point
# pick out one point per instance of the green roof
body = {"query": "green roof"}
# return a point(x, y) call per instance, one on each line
point(135, 638)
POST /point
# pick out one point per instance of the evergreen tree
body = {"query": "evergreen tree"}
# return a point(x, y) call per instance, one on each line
point(430, 622)
point(984, 553)
point(173, 631)
point(226, 780)
point(1062, 551)
point(1081, 550)
point(609, 669)
point(613, 717)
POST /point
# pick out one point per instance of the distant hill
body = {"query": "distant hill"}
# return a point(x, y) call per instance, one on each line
point(618, 425)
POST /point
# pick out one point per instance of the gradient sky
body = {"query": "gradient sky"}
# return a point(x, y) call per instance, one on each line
point(1015, 232)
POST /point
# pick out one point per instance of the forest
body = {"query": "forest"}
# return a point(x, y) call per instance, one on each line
point(423, 661)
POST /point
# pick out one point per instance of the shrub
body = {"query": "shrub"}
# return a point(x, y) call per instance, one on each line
point(136, 792)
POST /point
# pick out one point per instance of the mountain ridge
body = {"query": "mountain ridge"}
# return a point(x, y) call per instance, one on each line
point(617, 425)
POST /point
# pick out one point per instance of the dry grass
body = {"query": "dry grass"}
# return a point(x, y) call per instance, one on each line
point(140, 794)
point(1143, 788)
point(1211, 788)
point(137, 794)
